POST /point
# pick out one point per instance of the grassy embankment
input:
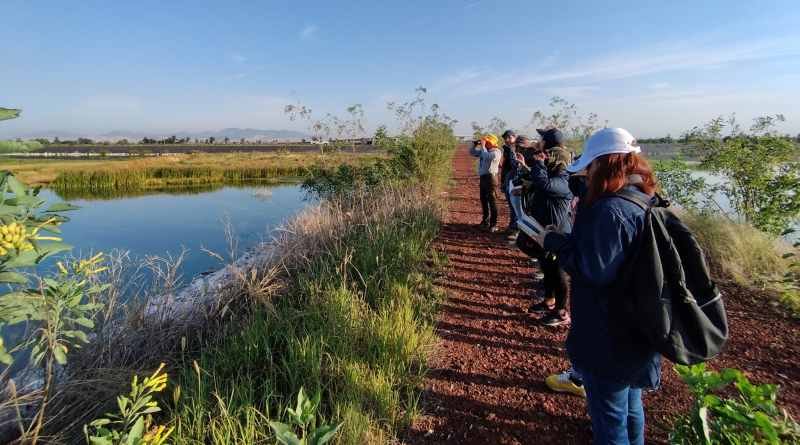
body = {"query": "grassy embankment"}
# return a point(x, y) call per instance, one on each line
point(343, 306)
point(109, 174)
point(355, 324)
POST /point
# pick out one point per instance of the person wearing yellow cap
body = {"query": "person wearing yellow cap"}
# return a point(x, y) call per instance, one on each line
point(485, 149)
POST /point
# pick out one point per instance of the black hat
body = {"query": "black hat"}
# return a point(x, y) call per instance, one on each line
point(508, 133)
point(552, 137)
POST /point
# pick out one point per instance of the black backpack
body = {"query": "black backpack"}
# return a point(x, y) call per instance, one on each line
point(672, 305)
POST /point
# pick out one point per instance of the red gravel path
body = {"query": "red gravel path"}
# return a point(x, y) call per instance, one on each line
point(486, 382)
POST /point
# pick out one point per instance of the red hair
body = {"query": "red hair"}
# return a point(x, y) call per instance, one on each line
point(610, 173)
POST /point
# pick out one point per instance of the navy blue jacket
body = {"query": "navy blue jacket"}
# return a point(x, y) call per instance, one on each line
point(592, 255)
point(551, 197)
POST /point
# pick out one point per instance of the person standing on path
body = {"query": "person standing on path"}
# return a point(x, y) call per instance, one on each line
point(489, 158)
point(507, 168)
point(602, 238)
point(551, 206)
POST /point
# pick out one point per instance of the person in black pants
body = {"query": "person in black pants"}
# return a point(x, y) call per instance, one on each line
point(552, 206)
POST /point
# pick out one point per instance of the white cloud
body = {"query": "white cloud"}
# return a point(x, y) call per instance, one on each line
point(657, 59)
point(238, 58)
point(308, 32)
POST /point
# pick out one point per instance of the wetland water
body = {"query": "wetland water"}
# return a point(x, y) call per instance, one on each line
point(165, 223)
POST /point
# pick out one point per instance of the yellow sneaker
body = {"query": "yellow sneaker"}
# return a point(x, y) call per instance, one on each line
point(562, 383)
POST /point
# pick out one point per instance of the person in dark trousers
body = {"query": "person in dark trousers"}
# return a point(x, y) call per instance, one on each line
point(602, 238)
point(489, 158)
point(507, 168)
point(552, 206)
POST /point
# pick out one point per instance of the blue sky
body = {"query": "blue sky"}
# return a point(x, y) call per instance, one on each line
point(654, 67)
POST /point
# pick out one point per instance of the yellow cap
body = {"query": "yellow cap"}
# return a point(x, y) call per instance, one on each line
point(491, 140)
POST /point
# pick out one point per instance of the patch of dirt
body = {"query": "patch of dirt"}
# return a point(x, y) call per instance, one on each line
point(486, 379)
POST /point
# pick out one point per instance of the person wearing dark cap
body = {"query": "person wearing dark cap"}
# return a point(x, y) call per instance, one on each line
point(551, 138)
point(507, 168)
point(552, 200)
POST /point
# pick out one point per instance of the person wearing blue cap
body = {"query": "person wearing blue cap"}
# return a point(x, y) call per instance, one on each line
point(603, 236)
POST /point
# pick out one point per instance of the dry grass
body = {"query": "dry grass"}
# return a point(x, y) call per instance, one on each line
point(739, 251)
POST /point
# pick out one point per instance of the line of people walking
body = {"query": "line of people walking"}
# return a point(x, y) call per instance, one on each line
point(590, 233)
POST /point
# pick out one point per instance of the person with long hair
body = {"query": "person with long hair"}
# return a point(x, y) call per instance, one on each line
point(603, 237)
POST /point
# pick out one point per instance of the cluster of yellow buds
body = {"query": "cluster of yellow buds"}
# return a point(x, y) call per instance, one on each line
point(13, 236)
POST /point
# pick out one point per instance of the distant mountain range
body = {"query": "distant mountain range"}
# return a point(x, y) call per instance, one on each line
point(234, 134)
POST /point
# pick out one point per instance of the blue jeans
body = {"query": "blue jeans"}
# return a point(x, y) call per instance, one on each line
point(512, 214)
point(616, 411)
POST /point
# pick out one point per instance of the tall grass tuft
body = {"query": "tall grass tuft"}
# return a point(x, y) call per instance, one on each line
point(739, 251)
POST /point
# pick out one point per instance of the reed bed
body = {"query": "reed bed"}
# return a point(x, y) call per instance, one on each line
point(182, 167)
point(146, 178)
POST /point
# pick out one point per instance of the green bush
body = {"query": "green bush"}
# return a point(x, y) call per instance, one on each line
point(761, 170)
point(19, 146)
point(729, 409)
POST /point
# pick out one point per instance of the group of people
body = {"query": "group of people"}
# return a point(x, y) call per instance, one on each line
point(589, 233)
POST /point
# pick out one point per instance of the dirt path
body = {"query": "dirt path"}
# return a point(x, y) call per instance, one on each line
point(486, 383)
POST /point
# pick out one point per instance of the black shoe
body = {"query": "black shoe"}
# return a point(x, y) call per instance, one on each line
point(483, 226)
point(555, 319)
point(541, 306)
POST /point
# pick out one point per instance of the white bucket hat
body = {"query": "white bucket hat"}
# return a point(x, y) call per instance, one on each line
point(604, 142)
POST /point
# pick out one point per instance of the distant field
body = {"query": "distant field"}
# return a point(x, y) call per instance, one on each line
point(41, 171)
point(194, 148)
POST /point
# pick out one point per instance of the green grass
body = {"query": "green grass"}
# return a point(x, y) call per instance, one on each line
point(356, 325)
point(113, 173)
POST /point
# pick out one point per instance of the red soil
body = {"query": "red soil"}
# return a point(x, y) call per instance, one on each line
point(486, 382)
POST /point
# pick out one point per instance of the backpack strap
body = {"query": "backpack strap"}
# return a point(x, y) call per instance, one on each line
point(637, 199)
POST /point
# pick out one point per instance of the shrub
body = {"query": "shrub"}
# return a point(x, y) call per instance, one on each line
point(761, 171)
point(19, 146)
point(744, 414)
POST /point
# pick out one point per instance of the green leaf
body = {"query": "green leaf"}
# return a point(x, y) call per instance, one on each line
point(48, 249)
point(12, 277)
point(766, 426)
point(85, 322)
point(97, 440)
point(25, 259)
point(5, 357)
point(787, 255)
point(136, 432)
point(324, 434)
point(9, 113)
point(61, 207)
point(60, 354)
point(702, 413)
point(77, 335)
point(16, 187)
point(284, 434)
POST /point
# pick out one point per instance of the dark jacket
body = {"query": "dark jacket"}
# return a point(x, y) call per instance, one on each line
point(551, 197)
point(509, 163)
point(592, 255)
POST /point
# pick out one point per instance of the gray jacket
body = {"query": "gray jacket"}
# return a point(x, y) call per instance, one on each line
point(489, 160)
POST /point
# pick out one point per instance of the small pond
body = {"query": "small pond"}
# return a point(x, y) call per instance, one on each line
point(165, 223)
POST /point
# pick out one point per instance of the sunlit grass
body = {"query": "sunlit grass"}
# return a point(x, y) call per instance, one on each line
point(177, 169)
